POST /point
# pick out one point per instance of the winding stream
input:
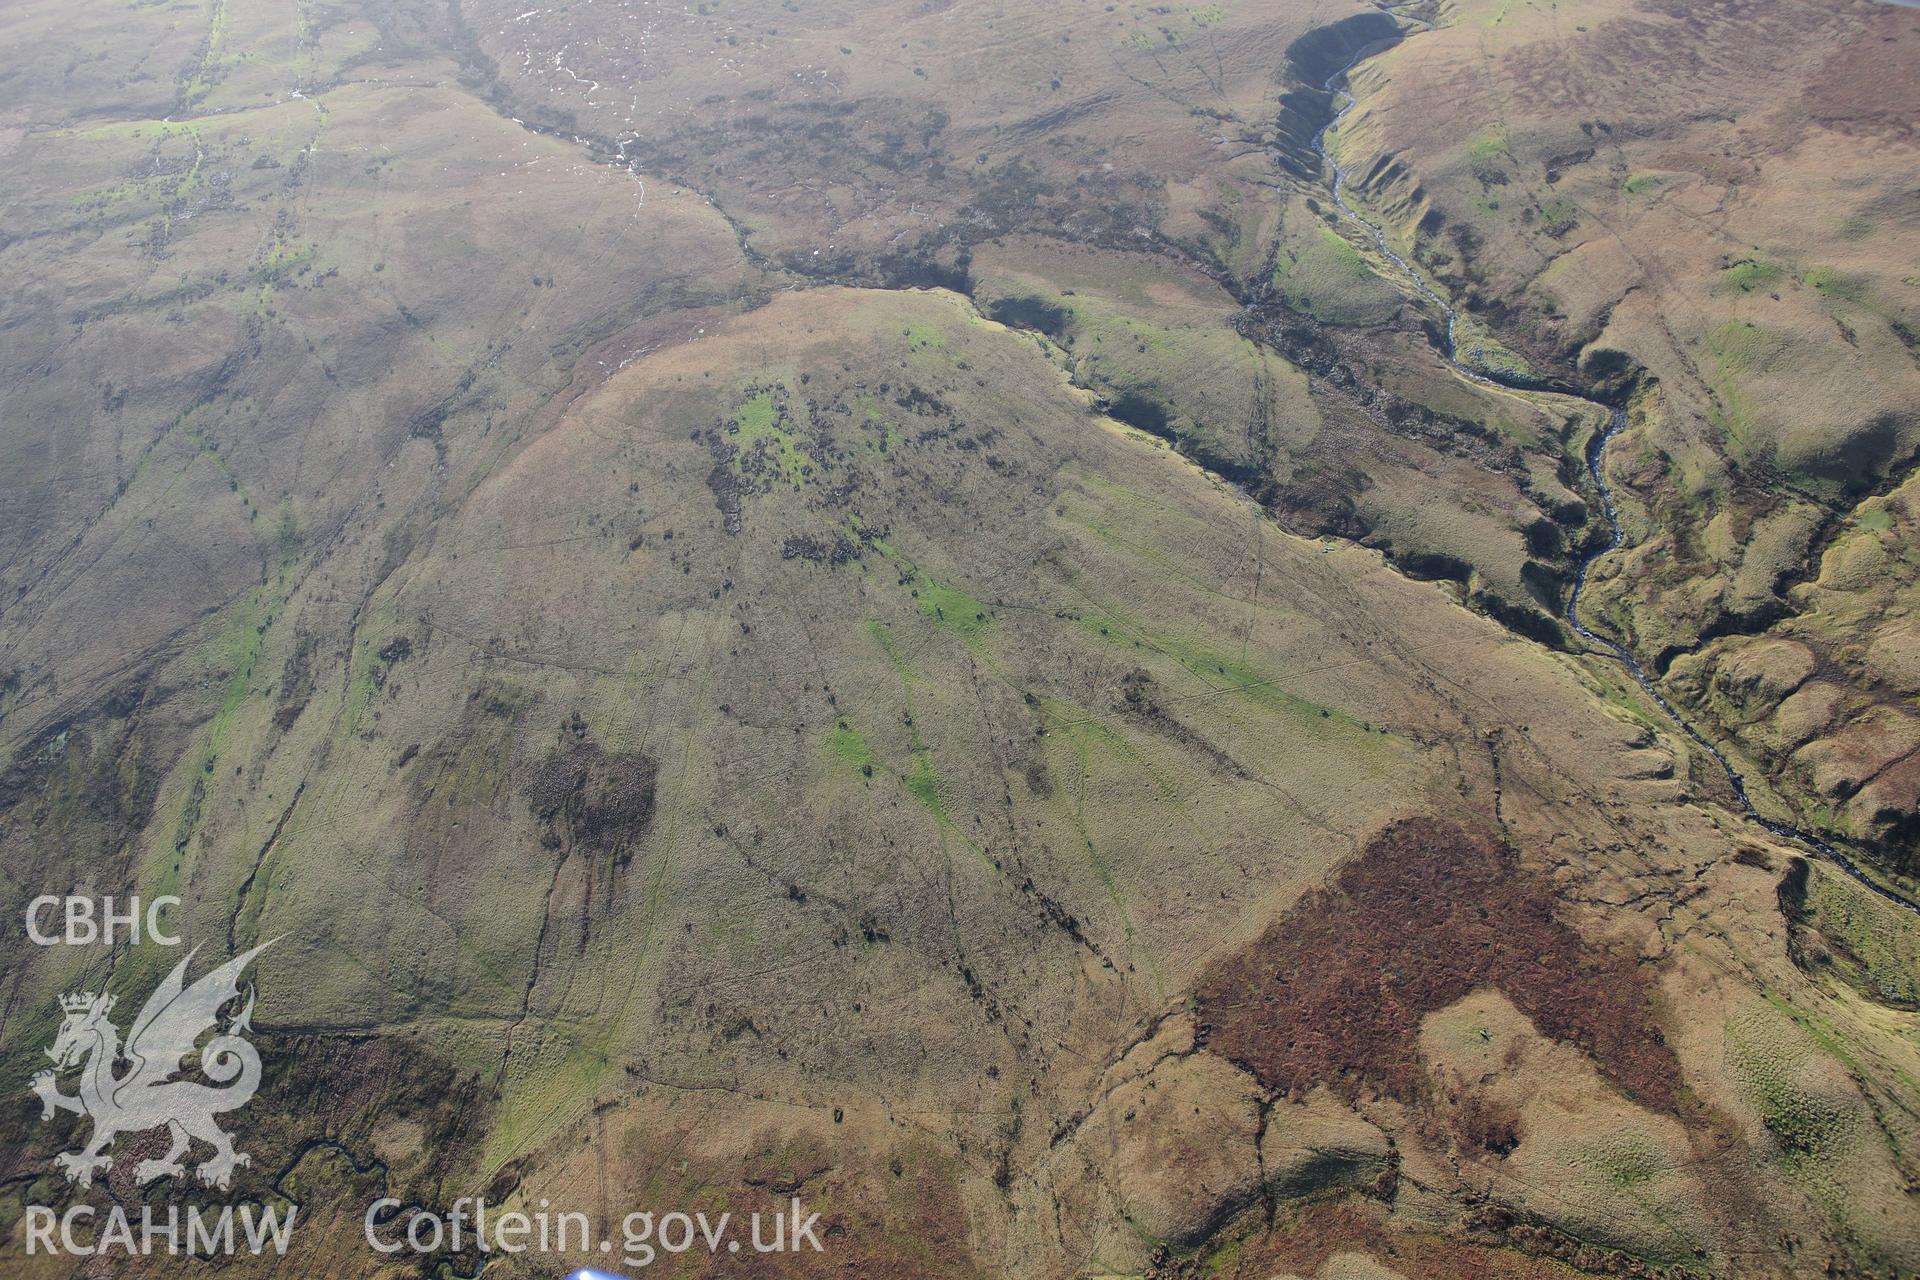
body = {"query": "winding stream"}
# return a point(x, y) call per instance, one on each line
point(1596, 455)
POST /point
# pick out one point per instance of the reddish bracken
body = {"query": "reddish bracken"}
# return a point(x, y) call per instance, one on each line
point(1335, 991)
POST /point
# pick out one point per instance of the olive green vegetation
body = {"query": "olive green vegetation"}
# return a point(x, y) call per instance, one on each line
point(1324, 276)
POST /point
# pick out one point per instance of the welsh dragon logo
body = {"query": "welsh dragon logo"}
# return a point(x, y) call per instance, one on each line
point(145, 1095)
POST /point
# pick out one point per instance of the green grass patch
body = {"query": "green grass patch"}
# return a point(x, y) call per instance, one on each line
point(847, 745)
point(923, 783)
point(1345, 254)
point(1884, 956)
point(1750, 275)
point(1266, 691)
point(1557, 215)
point(756, 417)
point(949, 608)
point(1628, 1164)
point(1235, 677)
point(1738, 348)
point(1326, 277)
point(1766, 1056)
point(921, 780)
point(1830, 283)
point(756, 430)
point(1484, 154)
point(954, 610)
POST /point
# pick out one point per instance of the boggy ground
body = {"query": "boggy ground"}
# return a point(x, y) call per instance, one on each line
point(706, 728)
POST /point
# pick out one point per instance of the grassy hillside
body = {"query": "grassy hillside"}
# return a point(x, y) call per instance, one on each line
point(879, 603)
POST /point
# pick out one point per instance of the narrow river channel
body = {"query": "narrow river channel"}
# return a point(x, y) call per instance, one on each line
point(1596, 467)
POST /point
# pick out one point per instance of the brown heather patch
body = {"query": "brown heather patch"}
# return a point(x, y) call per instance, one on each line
point(1335, 991)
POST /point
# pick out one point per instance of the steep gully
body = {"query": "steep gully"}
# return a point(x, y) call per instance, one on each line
point(1596, 457)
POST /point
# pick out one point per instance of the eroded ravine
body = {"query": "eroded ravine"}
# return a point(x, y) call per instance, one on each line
point(1596, 459)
